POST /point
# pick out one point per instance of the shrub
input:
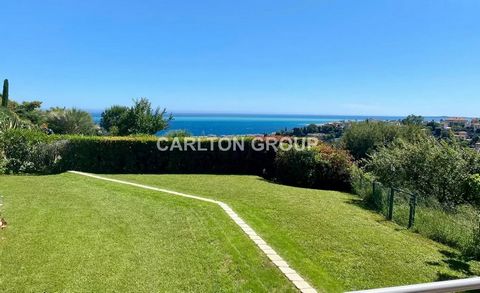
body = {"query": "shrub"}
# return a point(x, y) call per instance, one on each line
point(141, 155)
point(29, 151)
point(70, 121)
point(364, 138)
point(178, 133)
point(9, 120)
point(26, 151)
point(473, 189)
point(321, 167)
point(34, 152)
point(432, 168)
point(141, 118)
point(362, 185)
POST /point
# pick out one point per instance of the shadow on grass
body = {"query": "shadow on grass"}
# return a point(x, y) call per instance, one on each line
point(368, 206)
point(455, 261)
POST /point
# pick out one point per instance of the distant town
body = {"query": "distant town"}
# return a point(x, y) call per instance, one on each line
point(465, 130)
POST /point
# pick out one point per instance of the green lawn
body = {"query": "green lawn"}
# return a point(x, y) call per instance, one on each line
point(326, 236)
point(72, 233)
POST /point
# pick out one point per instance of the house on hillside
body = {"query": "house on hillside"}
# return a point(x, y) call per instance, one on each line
point(475, 124)
point(463, 135)
point(477, 146)
point(456, 122)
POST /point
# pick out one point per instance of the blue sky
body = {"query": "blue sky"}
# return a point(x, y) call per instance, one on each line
point(311, 57)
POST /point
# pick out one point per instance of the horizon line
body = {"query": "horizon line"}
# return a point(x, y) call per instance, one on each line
point(96, 111)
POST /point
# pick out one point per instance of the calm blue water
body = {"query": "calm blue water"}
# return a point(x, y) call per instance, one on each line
point(221, 124)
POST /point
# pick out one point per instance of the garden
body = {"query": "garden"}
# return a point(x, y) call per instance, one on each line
point(386, 204)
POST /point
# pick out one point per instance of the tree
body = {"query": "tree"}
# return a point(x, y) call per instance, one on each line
point(438, 169)
point(363, 138)
point(311, 128)
point(138, 119)
point(413, 120)
point(180, 133)
point(29, 111)
point(114, 117)
point(70, 121)
point(5, 93)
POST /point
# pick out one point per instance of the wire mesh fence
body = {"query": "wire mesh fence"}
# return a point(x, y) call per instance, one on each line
point(398, 205)
point(422, 214)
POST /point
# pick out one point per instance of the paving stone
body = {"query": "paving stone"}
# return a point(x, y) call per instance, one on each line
point(294, 277)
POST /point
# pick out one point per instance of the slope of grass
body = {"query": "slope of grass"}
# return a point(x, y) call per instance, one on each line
point(69, 233)
point(326, 236)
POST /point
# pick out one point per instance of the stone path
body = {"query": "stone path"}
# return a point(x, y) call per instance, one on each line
point(290, 273)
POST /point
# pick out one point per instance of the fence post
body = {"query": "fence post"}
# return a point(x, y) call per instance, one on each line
point(390, 204)
point(413, 205)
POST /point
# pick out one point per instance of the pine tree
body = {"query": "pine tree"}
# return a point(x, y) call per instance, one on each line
point(5, 93)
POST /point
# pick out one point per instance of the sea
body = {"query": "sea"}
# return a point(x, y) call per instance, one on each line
point(244, 124)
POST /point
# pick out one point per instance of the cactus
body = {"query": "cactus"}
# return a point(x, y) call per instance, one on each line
point(5, 93)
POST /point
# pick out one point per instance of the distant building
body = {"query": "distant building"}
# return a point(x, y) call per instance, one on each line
point(456, 122)
point(475, 124)
point(463, 135)
point(477, 146)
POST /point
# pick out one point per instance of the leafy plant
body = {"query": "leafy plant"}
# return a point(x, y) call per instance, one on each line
point(70, 121)
point(323, 167)
point(364, 138)
point(9, 120)
point(141, 118)
point(29, 151)
point(432, 168)
point(180, 133)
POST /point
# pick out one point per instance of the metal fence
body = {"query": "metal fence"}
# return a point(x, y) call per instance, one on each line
point(395, 204)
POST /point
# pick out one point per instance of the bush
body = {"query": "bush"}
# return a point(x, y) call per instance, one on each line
point(181, 133)
point(141, 118)
point(322, 167)
point(362, 185)
point(71, 121)
point(29, 151)
point(34, 152)
point(141, 155)
point(10, 120)
point(432, 168)
point(473, 186)
point(364, 138)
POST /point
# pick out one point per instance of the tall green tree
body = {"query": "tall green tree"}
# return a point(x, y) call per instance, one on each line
point(29, 111)
point(413, 120)
point(141, 118)
point(5, 93)
point(362, 139)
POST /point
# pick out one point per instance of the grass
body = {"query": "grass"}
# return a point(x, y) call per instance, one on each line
point(69, 233)
point(327, 236)
point(454, 228)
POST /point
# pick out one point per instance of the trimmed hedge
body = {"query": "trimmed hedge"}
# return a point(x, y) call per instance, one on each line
point(322, 167)
point(33, 152)
point(141, 155)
